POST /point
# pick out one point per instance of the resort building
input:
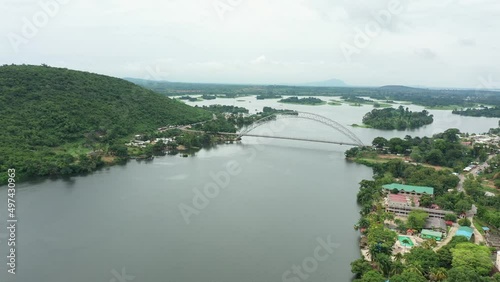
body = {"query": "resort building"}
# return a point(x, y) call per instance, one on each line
point(430, 234)
point(436, 224)
point(399, 210)
point(409, 189)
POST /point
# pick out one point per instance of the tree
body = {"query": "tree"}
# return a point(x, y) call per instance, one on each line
point(417, 219)
point(438, 274)
point(464, 222)
point(463, 206)
point(372, 276)
point(119, 150)
point(380, 142)
point(384, 263)
point(472, 256)
point(462, 274)
point(360, 266)
point(450, 217)
point(353, 152)
point(426, 259)
point(435, 157)
point(445, 257)
point(425, 200)
point(408, 277)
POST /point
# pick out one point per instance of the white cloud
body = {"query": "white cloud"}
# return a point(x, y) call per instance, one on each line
point(434, 43)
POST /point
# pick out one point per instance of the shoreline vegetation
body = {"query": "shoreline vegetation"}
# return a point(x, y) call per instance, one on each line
point(482, 111)
point(358, 102)
point(417, 161)
point(309, 101)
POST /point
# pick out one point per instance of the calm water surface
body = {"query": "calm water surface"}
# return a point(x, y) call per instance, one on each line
point(284, 196)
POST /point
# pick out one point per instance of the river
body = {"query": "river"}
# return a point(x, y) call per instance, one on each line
point(272, 204)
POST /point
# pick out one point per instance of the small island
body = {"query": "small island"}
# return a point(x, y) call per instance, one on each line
point(399, 119)
point(481, 112)
point(303, 101)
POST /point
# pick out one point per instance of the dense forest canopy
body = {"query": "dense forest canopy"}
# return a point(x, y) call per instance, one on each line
point(43, 108)
point(399, 119)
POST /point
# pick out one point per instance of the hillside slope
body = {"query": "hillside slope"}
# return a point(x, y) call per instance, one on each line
point(43, 108)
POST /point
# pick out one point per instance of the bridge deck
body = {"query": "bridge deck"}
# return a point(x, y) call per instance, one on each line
point(280, 137)
point(302, 139)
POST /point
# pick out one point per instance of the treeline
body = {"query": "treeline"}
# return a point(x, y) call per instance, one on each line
point(302, 101)
point(481, 112)
point(219, 109)
point(48, 113)
point(399, 118)
point(268, 96)
point(443, 149)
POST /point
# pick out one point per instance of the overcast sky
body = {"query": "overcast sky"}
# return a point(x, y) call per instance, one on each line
point(445, 43)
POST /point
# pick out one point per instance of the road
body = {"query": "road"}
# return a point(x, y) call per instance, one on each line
point(475, 171)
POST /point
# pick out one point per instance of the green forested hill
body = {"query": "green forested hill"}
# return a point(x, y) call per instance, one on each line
point(43, 108)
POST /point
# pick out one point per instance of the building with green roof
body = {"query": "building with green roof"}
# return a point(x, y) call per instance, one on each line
point(430, 234)
point(409, 189)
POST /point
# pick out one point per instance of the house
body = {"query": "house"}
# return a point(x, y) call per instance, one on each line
point(409, 189)
point(469, 168)
point(430, 234)
point(465, 231)
point(436, 224)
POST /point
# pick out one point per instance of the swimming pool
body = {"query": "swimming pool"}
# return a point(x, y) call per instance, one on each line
point(405, 241)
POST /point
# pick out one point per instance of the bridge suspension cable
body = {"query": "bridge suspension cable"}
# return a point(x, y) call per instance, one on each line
point(308, 116)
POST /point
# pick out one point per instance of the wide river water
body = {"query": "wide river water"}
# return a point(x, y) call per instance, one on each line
point(278, 202)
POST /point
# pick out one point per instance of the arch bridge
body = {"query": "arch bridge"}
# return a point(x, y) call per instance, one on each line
point(353, 139)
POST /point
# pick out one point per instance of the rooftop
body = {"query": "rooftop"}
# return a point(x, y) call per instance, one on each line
point(435, 223)
point(431, 233)
point(410, 188)
point(465, 231)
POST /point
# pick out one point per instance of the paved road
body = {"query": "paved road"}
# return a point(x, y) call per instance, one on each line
point(475, 171)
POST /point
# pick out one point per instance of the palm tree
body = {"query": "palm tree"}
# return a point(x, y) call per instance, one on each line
point(414, 268)
point(429, 244)
point(397, 268)
point(398, 257)
point(438, 274)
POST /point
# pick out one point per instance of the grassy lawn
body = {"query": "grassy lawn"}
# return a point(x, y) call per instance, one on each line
point(74, 149)
point(360, 125)
point(479, 225)
point(383, 105)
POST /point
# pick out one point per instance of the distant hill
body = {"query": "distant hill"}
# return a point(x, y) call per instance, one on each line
point(327, 83)
point(399, 88)
point(43, 109)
